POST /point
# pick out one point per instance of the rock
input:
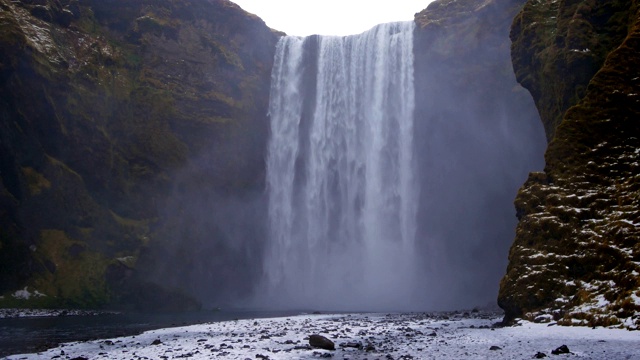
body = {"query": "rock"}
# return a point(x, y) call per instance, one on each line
point(352, 344)
point(156, 342)
point(591, 163)
point(564, 349)
point(64, 17)
point(42, 12)
point(540, 355)
point(495, 348)
point(321, 342)
point(322, 355)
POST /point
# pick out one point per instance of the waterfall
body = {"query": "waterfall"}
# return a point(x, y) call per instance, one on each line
point(340, 172)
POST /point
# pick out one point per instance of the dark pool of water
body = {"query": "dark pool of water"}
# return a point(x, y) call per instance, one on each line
point(30, 335)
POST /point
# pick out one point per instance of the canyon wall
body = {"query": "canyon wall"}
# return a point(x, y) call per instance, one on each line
point(131, 148)
point(575, 259)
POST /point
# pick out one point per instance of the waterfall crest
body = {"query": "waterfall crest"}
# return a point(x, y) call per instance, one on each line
point(341, 176)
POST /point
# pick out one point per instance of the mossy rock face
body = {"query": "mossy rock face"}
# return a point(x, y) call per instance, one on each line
point(575, 256)
point(559, 45)
point(105, 106)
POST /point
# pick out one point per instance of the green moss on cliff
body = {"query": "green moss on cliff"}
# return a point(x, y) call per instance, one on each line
point(36, 181)
point(559, 45)
point(74, 275)
point(103, 106)
point(581, 216)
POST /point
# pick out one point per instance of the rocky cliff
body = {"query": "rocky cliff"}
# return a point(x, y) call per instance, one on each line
point(115, 115)
point(576, 256)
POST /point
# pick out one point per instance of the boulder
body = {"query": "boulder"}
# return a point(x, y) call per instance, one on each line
point(321, 342)
point(564, 349)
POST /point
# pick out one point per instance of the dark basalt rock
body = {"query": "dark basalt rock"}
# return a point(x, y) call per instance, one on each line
point(321, 342)
point(564, 349)
point(42, 12)
point(352, 344)
point(577, 240)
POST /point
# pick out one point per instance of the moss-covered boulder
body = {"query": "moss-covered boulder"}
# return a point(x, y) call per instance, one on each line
point(104, 107)
point(575, 256)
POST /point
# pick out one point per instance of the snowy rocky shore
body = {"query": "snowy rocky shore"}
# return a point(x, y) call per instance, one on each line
point(460, 335)
point(23, 313)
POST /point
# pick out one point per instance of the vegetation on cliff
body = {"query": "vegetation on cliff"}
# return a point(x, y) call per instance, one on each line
point(559, 46)
point(576, 257)
point(104, 108)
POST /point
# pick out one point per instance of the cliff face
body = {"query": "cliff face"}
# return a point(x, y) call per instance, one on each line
point(477, 135)
point(113, 116)
point(558, 46)
point(577, 252)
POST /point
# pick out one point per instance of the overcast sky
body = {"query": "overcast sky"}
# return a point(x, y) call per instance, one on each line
point(330, 17)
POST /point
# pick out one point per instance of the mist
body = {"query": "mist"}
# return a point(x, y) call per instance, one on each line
point(345, 231)
point(371, 203)
point(210, 237)
point(478, 136)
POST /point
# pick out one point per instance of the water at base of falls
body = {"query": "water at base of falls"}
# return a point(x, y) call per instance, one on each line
point(341, 173)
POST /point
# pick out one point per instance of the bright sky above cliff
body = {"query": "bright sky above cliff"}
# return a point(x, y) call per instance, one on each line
point(330, 17)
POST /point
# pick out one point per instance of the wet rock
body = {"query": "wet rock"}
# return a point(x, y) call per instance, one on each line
point(352, 344)
point(65, 17)
point(564, 349)
point(322, 355)
point(74, 8)
point(321, 342)
point(42, 12)
point(574, 175)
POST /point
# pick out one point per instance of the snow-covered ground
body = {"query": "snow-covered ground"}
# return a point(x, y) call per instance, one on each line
point(360, 336)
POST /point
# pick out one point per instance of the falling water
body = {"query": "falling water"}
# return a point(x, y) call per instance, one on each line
point(341, 175)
